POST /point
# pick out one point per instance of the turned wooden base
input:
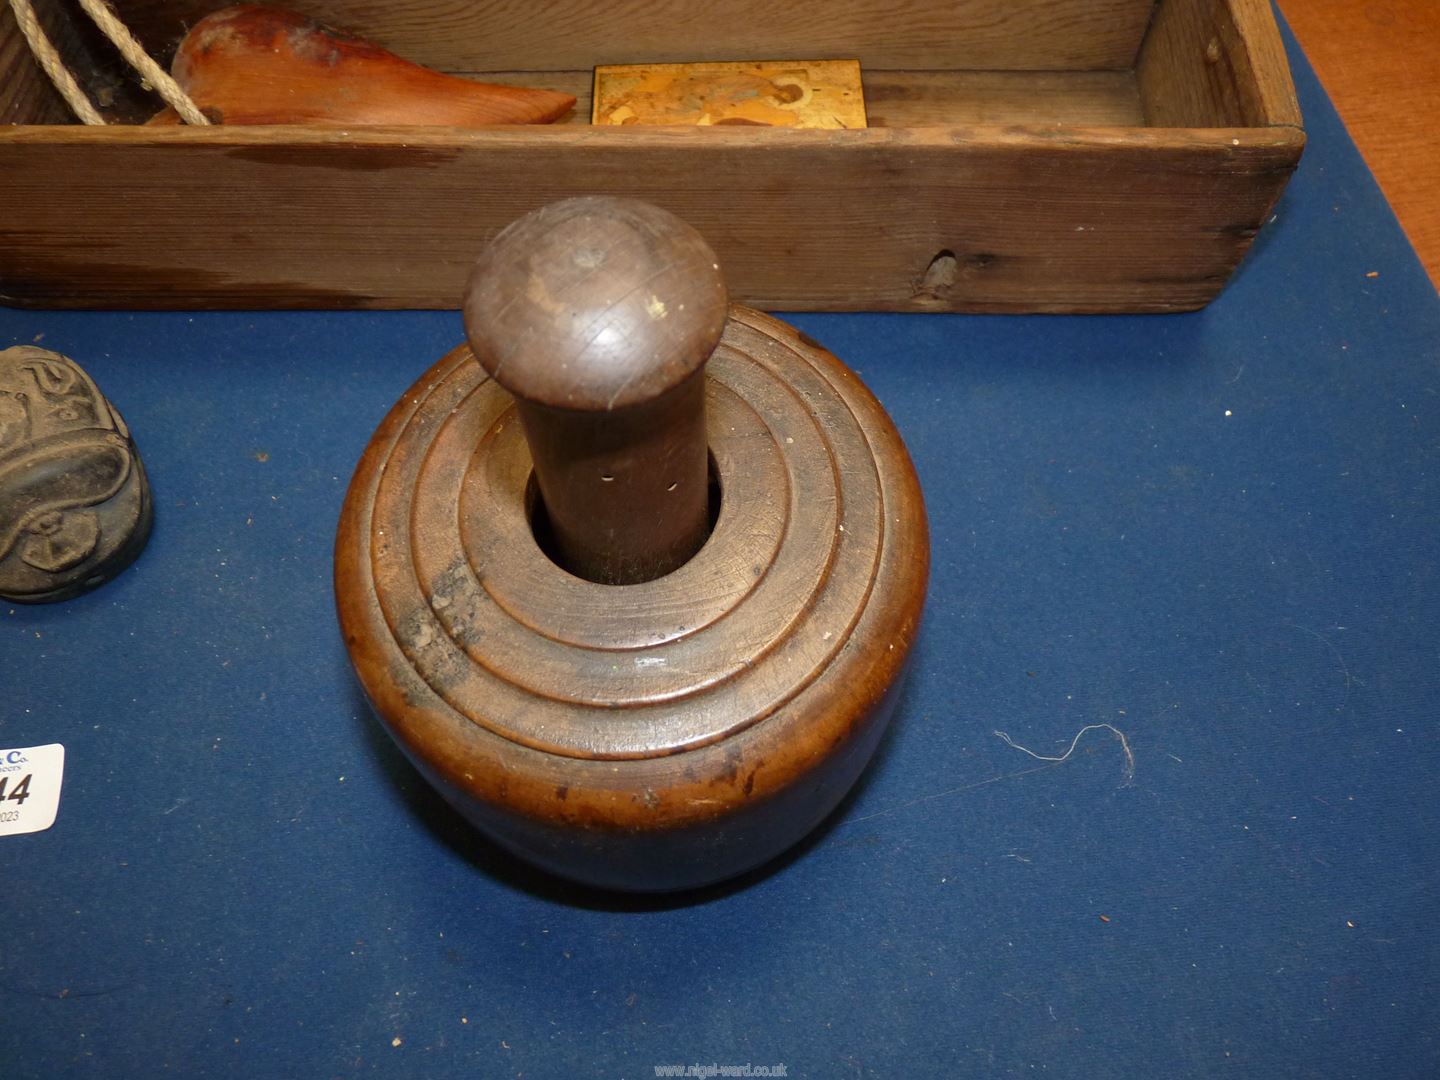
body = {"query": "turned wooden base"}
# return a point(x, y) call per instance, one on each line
point(654, 736)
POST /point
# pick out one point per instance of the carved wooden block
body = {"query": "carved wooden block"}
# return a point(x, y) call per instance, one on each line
point(75, 505)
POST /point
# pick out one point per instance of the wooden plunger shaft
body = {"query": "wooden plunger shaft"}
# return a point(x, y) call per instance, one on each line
point(598, 316)
point(625, 492)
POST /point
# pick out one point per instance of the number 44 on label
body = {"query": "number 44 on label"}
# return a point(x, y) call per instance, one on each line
point(30, 779)
point(21, 792)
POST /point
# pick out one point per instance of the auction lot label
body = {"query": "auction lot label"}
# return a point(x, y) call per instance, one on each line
point(30, 788)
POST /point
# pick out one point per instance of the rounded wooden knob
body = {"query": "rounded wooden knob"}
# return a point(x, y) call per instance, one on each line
point(598, 314)
point(674, 731)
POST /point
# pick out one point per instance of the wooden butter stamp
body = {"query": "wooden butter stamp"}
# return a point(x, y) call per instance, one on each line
point(786, 93)
point(75, 505)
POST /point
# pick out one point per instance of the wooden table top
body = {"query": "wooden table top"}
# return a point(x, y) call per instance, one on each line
point(1380, 63)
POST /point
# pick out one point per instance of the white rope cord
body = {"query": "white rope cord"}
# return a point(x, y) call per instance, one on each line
point(50, 62)
point(152, 75)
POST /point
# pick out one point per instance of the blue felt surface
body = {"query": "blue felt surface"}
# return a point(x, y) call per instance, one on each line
point(1217, 532)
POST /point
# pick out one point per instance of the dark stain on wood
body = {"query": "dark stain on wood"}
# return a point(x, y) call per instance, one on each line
point(342, 158)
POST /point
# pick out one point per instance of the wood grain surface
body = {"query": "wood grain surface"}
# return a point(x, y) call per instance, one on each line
point(920, 219)
point(1380, 62)
point(1215, 63)
point(563, 35)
